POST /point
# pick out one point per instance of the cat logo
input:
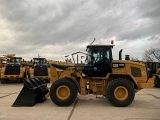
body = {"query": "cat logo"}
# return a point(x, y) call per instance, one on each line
point(118, 65)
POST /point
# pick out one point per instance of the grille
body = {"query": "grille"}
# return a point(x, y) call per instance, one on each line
point(136, 72)
point(40, 70)
point(12, 69)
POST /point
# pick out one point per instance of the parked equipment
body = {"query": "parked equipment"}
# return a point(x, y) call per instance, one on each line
point(155, 68)
point(13, 70)
point(34, 91)
point(39, 69)
point(117, 80)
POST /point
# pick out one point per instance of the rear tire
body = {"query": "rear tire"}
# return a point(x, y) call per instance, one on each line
point(120, 92)
point(63, 92)
point(157, 82)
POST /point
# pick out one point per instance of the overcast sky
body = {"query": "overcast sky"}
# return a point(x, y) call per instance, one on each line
point(54, 28)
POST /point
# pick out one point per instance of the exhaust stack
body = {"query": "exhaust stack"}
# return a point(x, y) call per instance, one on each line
point(120, 54)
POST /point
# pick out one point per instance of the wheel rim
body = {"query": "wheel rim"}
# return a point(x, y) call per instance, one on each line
point(63, 92)
point(121, 93)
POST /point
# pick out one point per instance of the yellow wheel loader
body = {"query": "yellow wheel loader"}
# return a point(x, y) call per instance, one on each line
point(155, 68)
point(13, 70)
point(117, 80)
point(39, 69)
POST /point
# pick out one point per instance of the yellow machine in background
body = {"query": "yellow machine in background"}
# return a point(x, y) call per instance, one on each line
point(13, 70)
point(4, 59)
point(39, 69)
point(117, 80)
point(155, 68)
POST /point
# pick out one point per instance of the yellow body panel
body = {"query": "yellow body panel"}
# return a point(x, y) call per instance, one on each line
point(148, 84)
point(135, 72)
point(142, 77)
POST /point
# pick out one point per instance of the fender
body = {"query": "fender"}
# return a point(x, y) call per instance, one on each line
point(109, 75)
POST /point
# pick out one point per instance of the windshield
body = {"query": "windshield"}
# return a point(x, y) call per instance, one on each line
point(38, 60)
point(97, 55)
point(93, 56)
point(14, 59)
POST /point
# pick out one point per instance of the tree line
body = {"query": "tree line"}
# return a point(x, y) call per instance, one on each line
point(152, 54)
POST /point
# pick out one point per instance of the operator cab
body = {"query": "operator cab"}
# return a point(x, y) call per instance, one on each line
point(98, 60)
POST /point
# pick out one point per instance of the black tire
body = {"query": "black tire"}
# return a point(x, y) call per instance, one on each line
point(120, 92)
point(24, 75)
point(63, 92)
point(3, 81)
point(157, 82)
point(21, 80)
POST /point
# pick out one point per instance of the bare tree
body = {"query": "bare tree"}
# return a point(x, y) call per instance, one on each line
point(152, 54)
point(134, 58)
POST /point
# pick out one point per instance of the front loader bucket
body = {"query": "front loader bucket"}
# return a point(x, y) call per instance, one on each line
point(33, 91)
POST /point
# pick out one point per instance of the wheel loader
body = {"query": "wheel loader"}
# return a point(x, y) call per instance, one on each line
point(39, 69)
point(117, 80)
point(155, 68)
point(13, 70)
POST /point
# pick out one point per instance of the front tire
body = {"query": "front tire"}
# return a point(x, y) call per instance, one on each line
point(3, 81)
point(63, 92)
point(120, 92)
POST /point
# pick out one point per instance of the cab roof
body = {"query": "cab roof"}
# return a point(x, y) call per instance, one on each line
point(16, 57)
point(39, 58)
point(106, 46)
